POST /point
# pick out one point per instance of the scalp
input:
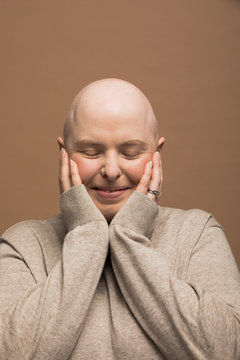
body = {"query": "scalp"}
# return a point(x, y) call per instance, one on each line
point(113, 97)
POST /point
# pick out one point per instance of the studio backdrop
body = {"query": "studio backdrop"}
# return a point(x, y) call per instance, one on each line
point(185, 57)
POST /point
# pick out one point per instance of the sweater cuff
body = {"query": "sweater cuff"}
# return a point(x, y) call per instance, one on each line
point(137, 214)
point(78, 208)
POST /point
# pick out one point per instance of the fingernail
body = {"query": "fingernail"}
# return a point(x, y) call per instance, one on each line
point(73, 165)
point(157, 154)
point(150, 164)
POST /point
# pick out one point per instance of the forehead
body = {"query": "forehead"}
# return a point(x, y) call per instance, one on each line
point(86, 142)
point(111, 116)
point(114, 129)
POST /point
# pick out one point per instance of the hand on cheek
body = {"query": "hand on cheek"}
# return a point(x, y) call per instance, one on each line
point(152, 177)
point(68, 172)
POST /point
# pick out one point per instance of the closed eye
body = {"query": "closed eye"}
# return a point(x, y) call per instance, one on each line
point(131, 155)
point(90, 154)
point(98, 153)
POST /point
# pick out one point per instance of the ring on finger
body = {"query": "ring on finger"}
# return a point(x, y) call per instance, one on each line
point(154, 192)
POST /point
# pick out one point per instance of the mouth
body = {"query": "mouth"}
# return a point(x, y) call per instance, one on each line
point(110, 189)
point(110, 193)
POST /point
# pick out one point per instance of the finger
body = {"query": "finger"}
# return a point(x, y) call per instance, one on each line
point(160, 187)
point(144, 181)
point(59, 173)
point(156, 177)
point(64, 172)
point(75, 177)
point(60, 158)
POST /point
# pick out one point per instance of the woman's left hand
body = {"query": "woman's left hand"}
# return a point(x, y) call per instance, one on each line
point(152, 177)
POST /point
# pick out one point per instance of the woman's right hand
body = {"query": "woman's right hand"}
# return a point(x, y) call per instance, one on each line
point(68, 170)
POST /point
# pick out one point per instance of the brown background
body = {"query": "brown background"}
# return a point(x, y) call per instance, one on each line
point(184, 55)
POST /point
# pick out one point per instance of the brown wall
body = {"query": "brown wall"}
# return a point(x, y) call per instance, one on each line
point(184, 55)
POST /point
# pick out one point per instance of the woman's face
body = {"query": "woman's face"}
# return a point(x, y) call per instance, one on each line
point(111, 153)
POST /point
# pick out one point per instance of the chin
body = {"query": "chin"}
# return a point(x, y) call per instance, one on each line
point(109, 210)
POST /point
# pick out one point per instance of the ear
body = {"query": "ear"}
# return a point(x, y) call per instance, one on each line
point(60, 142)
point(160, 144)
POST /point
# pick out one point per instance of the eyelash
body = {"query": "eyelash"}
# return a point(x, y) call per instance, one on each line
point(130, 156)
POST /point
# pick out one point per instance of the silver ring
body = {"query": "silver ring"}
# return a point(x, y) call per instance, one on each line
point(154, 192)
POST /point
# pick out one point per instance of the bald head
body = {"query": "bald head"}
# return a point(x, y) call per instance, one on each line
point(110, 99)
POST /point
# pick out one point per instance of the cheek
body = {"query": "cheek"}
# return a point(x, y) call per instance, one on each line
point(135, 170)
point(132, 169)
point(87, 169)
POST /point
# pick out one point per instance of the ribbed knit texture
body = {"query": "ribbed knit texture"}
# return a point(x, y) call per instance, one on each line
point(156, 283)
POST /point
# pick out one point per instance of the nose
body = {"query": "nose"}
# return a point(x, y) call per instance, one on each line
point(110, 168)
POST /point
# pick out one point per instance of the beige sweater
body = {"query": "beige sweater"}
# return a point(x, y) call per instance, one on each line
point(157, 283)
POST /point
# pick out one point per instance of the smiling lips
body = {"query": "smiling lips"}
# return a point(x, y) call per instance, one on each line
point(110, 193)
point(111, 189)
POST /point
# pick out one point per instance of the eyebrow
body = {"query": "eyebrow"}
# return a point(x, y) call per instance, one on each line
point(84, 143)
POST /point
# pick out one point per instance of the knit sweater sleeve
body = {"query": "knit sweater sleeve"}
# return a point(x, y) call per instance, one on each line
point(197, 317)
point(44, 320)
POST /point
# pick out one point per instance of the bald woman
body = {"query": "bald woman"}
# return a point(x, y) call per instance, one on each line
point(111, 136)
point(115, 275)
